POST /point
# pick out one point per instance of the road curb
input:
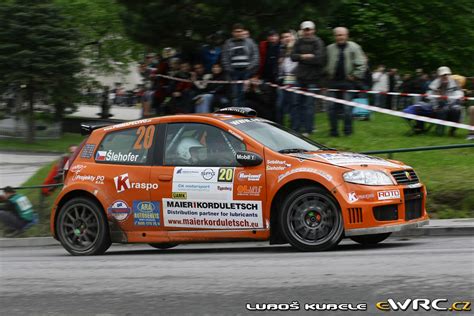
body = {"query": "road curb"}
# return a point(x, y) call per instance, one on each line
point(436, 228)
point(28, 242)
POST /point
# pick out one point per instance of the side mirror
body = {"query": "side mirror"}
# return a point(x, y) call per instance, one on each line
point(248, 158)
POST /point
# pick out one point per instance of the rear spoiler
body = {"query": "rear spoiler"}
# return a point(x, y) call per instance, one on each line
point(88, 127)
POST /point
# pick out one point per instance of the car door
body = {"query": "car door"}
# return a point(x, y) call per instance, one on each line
point(122, 166)
point(203, 187)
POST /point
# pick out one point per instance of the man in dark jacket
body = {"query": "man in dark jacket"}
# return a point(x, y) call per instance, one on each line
point(240, 60)
point(310, 53)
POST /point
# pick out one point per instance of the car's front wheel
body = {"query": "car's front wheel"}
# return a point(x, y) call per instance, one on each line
point(163, 246)
point(311, 220)
point(82, 228)
point(370, 239)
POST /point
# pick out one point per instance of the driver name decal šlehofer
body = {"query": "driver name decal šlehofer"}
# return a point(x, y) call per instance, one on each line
point(220, 214)
point(346, 159)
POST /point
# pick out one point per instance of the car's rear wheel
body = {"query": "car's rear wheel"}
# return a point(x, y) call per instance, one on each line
point(82, 228)
point(163, 246)
point(311, 220)
point(370, 239)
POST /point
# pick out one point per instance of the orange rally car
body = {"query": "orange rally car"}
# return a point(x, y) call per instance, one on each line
point(227, 176)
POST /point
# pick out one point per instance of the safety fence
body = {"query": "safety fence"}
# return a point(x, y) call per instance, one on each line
point(345, 102)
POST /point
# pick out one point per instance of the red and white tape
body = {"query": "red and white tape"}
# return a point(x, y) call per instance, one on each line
point(349, 103)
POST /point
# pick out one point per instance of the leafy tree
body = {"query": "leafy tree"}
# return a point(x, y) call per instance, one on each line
point(101, 35)
point(36, 50)
point(159, 23)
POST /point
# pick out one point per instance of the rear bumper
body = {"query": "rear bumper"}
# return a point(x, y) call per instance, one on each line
point(386, 229)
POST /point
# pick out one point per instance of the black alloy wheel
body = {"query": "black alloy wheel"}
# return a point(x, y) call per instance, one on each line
point(311, 219)
point(82, 228)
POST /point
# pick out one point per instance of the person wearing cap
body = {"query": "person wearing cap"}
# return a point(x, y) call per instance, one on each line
point(446, 109)
point(16, 212)
point(309, 51)
point(346, 67)
point(240, 59)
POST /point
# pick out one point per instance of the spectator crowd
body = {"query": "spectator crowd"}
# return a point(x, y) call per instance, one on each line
point(289, 58)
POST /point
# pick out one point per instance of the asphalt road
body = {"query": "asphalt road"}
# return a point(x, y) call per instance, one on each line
point(222, 278)
point(16, 168)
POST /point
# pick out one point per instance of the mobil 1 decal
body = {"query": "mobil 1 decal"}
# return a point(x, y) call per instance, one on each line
point(203, 182)
point(215, 214)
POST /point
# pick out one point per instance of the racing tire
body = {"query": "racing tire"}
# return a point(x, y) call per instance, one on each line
point(163, 246)
point(310, 219)
point(82, 228)
point(370, 239)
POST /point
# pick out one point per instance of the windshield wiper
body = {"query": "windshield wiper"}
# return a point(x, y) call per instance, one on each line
point(293, 150)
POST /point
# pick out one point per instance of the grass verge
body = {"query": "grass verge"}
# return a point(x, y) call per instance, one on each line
point(47, 145)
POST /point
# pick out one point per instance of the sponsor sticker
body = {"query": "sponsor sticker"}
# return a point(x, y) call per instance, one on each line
point(220, 214)
point(345, 159)
point(244, 121)
point(127, 124)
point(249, 176)
point(87, 151)
point(122, 183)
point(208, 174)
point(249, 190)
point(103, 155)
point(304, 169)
point(353, 197)
point(77, 168)
point(179, 195)
point(205, 190)
point(119, 210)
point(388, 195)
point(146, 213)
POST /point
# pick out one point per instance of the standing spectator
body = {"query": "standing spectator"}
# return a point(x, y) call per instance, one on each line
point(446, 109)
point(219, 90)
point(393, 83)
point(471, 122)
point(346, 64)
point(211, 52)
point(199, 91)
point(310, 54)
point(379, 83)
point(287, 77)
point(269, 52)
point(405, 87)
point(240, 60)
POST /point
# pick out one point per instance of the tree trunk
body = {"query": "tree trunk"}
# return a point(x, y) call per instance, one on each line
point(30, 137)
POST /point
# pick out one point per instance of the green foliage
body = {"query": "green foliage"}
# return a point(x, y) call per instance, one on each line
point(101, 34)
point(164, 23)
point(36, 49)
point(412, 34)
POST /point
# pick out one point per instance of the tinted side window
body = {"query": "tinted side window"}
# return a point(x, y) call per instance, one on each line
point(194, 144)
point(130, 146)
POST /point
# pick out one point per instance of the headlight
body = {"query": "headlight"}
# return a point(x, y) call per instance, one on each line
point(368, 177)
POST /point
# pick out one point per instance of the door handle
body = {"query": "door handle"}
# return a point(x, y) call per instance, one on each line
point(165, 177)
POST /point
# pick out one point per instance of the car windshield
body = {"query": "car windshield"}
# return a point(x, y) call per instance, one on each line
point(275, 136)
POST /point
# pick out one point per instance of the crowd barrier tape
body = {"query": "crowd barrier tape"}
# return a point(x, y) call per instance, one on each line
point(345, 102)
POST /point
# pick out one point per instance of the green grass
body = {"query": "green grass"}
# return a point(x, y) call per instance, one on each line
point(49, 145)
point(448, 174)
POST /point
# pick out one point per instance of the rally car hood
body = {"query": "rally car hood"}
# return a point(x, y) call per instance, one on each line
point(351, 160)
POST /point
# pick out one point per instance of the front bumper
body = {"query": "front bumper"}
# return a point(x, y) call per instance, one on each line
point(386, 229)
